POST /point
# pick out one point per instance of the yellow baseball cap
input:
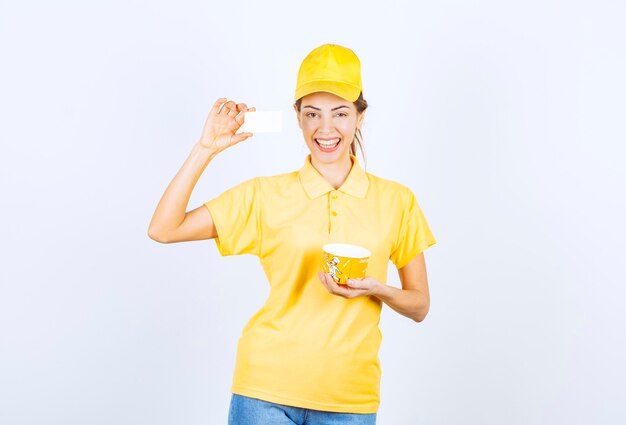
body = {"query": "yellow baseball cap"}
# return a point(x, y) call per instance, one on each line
point(330, 68)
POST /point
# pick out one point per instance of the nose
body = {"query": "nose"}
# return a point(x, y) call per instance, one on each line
point(326, 124)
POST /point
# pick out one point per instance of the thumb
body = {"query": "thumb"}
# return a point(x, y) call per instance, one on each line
point(240, 137)
point(354, 283)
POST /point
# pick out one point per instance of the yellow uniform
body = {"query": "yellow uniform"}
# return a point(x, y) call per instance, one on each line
point(306, 347)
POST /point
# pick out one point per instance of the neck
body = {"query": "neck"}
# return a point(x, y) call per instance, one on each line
point(334, 173)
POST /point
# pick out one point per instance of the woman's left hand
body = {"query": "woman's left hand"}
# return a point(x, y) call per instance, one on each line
point(354, 288)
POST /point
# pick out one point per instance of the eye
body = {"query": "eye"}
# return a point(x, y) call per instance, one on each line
point(342, 114)
point(310, 114)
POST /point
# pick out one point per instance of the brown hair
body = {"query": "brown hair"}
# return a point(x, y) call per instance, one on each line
point(361, 105)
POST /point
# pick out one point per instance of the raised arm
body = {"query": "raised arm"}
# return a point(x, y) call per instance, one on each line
point(170, 221)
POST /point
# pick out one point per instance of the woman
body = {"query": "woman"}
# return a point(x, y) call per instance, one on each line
point(310, 354)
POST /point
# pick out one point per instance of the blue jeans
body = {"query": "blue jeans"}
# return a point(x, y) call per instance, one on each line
point(251, 411)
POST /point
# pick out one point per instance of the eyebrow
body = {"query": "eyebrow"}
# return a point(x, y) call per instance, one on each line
point(318, 109)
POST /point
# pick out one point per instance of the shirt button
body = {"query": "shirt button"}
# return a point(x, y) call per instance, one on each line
point(334, 213)
point(335, 196)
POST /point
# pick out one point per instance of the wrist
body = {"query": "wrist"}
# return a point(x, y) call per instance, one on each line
point(204, 151)
point(380, 289)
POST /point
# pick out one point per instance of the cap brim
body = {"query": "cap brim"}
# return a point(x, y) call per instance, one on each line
point(344, 90)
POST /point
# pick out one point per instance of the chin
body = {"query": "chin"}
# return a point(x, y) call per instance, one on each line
point(330, 158)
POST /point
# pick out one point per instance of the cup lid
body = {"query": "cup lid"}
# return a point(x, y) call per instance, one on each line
point(347, 250)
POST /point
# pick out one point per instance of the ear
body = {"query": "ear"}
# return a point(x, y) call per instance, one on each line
point(295, 108)
point(360, 118)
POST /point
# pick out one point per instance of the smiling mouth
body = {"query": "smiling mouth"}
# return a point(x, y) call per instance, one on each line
point(328, 144)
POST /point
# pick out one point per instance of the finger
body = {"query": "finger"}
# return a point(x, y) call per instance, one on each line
point(329, 283)
point(341, 291)
point(226, 107)
point(334, 287)
point(239, 119)
point(354, 283)
point(253, 109)
point(242, 107)
point(233, 111)
point(331, 279)
point(328, 279)
point(323, 280)
point(348, 289)
point(217, 106)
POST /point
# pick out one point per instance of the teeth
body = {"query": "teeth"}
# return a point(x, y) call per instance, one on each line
point(328, 143)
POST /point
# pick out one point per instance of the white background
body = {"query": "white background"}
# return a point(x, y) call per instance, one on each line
point(505, 118)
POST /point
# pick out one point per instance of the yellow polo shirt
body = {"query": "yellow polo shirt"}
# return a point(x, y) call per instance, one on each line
point(306, 347)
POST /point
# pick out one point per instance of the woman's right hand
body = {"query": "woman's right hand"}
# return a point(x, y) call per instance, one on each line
point(225, 118)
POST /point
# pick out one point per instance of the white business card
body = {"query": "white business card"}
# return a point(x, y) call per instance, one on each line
point(262, 122)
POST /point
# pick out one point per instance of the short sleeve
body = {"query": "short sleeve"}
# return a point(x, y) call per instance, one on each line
point(236, 216)
point(414, 236)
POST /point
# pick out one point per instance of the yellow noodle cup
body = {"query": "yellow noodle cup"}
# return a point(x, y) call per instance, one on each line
point(345, 261)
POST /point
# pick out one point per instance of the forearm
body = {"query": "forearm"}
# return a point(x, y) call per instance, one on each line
point(408, 302)
point(171, 210)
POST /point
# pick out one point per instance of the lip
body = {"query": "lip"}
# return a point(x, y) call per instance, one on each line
point(321, 148)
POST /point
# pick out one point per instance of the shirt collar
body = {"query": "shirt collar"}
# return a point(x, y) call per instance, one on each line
point(315, 185)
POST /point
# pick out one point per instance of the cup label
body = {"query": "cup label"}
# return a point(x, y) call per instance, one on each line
point(343, 268)
point(331, 263)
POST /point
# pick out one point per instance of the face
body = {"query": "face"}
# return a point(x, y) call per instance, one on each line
point(328, 124)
